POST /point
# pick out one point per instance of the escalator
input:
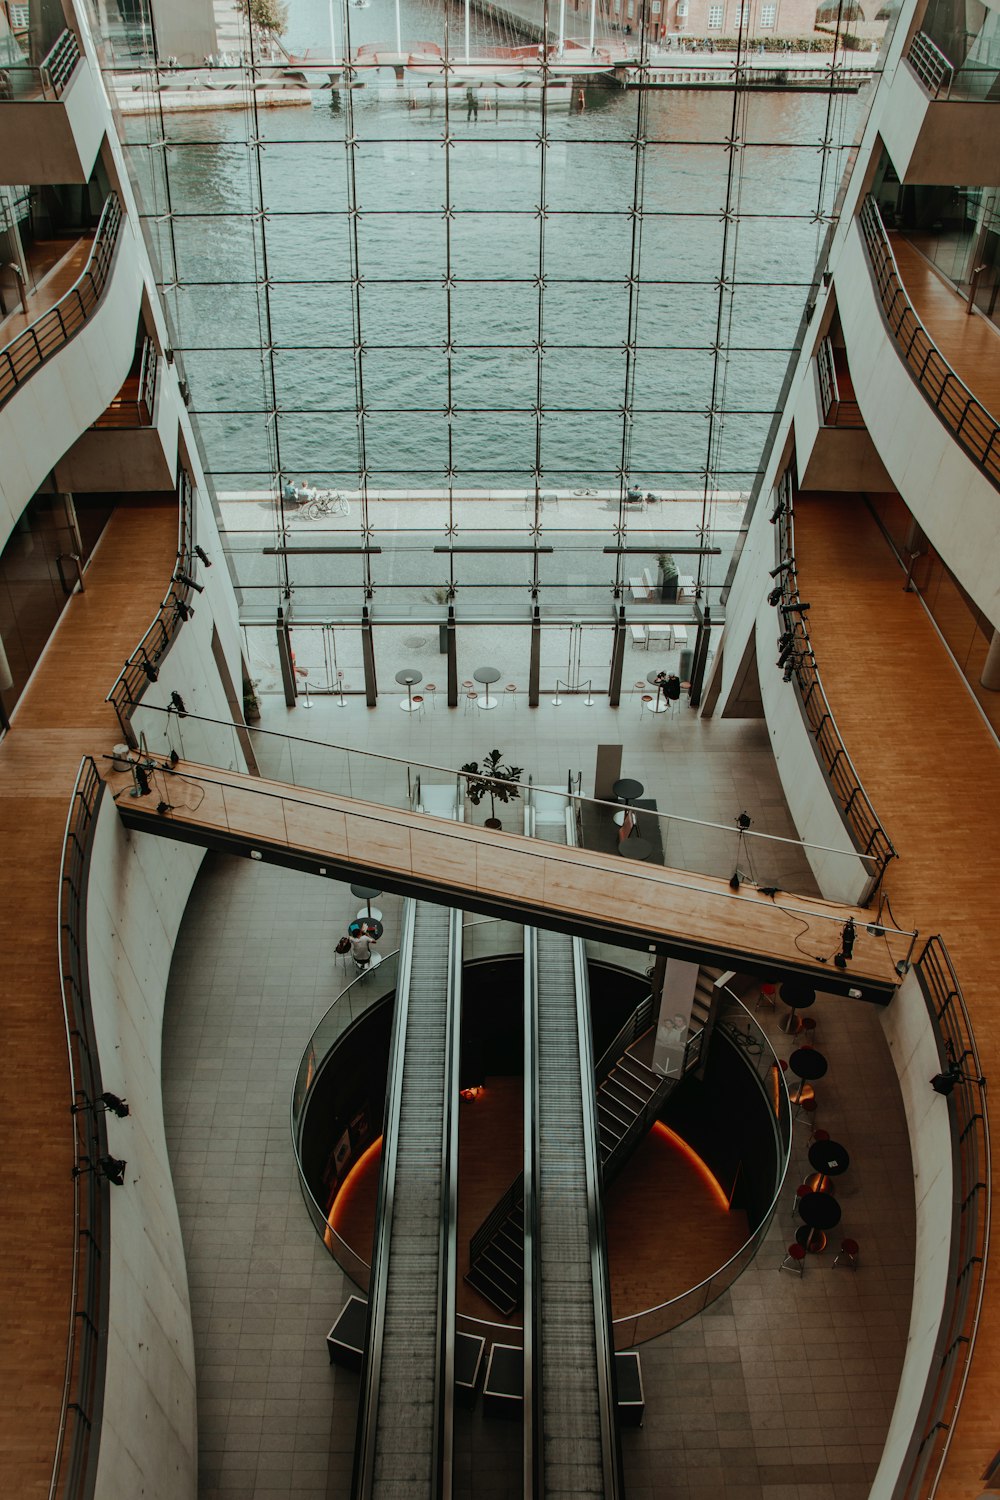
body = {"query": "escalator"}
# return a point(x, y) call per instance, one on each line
point(404, 1443)
point(570, 1435)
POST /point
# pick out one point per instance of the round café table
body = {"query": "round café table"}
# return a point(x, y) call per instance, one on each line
point(487, 675)
point(373, 928)
point(627, 791)
point(408, 678)
point(808, 1065)
point(367, 894)
point(797, 994)
point(661, 705)
point(818, 1212)
point(829, 1157)
point(635, 847)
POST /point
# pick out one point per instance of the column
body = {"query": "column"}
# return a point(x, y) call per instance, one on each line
point(676, 999)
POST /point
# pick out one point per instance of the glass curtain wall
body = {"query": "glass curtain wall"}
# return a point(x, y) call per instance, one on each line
point(469, 315)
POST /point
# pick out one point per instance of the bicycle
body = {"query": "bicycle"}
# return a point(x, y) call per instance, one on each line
point(327, 503)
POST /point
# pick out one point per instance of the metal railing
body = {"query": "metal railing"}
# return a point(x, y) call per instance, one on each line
point(53, 328)
point(133, 405)
point(25, 83)
point(836, 412)
point(859, 815)
point(83, 1382)
point(972, 425)
point(142, 666)
point(930, 64)
point(970, 1236)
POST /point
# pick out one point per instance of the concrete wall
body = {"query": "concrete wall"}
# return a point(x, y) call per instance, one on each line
point(126, 459)
point(67, 393)
point(951, 499)
point(136, 897)
point(914, 1052)
point(928, 139)
point(49, 140)
point(833, 458)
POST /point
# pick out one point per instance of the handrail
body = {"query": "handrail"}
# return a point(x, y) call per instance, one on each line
point(930, 64)
point(83, 1383)
point(860, 817)
point(58, 66)
point(52, 329)
point(142, 666)
point(972, 425)
point(971, 1213)
point(50, 77)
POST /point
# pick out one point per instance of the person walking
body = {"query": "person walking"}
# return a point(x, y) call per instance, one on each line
point(471, 105)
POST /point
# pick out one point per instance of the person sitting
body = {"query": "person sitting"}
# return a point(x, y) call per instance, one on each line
point(361, 949)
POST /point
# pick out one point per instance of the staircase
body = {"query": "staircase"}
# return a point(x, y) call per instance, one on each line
point(496, 1252)
point(627, 1104)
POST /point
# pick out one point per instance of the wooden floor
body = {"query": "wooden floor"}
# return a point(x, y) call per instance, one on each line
point(62, 715)
point(470, 865)
point(971, 345)
point(53, 284)
point(932, 771)
point(666, 1230)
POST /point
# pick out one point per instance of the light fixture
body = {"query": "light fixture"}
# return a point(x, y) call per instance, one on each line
point(140, 780)
point(774, 597)
point(152, 674)
point(200, 552)
point(779, 511)
point(847, 937)
point(184, 611)
point(782, 567)
point(786, 652)
point(792, 609)
point(944, 1083)
point(105, 1102)
point(111, 1167)
point(189, 583)
point(177, 704)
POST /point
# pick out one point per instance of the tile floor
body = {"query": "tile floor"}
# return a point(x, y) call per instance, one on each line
point(780, 1391)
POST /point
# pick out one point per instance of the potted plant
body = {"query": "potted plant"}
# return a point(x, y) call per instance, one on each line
point(441, 596)
point(493, 780)
point(251, 703)
point(668, 578)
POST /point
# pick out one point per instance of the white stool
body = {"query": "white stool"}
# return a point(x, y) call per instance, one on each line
point(471, 700)
point(430, 688)
point(510, 691)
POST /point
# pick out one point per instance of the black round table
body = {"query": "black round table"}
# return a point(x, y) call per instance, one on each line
point(797, 994)
point(829, 1157)
point(408, 678)
point(367, 894)
point(635, 848)
point(658, 680)
point(806, 1062)
point(627, 791)
point(819, 1210)
point(373, 928)
point(487, 675)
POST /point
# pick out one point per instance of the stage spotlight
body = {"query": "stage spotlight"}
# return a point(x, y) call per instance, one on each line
point(778, 511)
point(113, 1168)
point(782, 567)
point(142, 787)
point(184, 611)
point(152, 674)
point(743, 820)
point(115, 1105)
point(774, 597)
point(786, 652)
point(177, 703)
point(200, 552)
point(943, 1083)
point(189, 583)
point(792, 609)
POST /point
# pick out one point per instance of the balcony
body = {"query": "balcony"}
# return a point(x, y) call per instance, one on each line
point(834, 450)
point(51, 118)
point(942, 123)
point(925, 377)
point(133, 444)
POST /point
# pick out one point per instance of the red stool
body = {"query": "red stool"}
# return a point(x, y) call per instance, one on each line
point(850, 1252)
point(806, 1110)
point(802, 1191)
point(820, 1135)
point(806, 1031)
point(795, 1257)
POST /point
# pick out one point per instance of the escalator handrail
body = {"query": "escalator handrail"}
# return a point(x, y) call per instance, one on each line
point(444, 1385)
